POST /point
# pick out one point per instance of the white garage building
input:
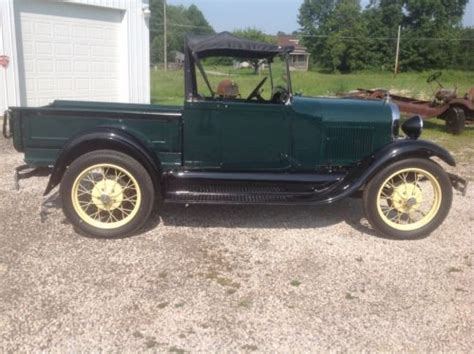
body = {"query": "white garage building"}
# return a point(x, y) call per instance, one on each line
point(95, 50)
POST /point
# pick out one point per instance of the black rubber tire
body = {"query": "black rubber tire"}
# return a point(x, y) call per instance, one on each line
point(128, 163)
point(373, 187)
point(455, 119)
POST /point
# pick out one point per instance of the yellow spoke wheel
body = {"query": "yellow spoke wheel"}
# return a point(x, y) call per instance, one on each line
point(409, 199)
point(106, 196)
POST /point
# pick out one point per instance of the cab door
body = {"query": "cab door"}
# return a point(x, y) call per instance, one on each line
point(255, 136)
point(236, 136)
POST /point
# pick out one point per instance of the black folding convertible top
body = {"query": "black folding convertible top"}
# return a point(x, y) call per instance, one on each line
point(226, 44)
point(223, 44)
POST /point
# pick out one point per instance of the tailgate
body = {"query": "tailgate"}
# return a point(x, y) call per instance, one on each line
point(12, 128)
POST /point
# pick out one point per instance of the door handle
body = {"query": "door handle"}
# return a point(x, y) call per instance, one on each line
point(292, 161)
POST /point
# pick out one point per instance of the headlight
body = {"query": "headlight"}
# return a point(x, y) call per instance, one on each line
point(395, 119)
point(413, 127)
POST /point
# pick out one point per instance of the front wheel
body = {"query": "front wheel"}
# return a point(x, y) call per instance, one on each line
point(408, 199)
point(107, 194)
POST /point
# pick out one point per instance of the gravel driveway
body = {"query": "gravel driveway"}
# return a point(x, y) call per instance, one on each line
point(229, 279)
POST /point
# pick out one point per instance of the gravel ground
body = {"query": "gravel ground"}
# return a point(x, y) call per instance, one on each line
point(229, 279)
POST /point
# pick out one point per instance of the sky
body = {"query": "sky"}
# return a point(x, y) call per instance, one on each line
point(269, 16)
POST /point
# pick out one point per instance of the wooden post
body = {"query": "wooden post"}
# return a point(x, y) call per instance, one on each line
point(398, 51)
point(165, 52)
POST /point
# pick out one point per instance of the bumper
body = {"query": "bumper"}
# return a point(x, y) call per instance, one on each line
point(458, 183)
point(6, 128)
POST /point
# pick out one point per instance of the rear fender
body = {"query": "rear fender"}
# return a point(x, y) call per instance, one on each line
point(99, 139)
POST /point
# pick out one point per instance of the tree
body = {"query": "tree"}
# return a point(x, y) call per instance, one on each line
point(464, 58)
point(341, 36)
point(197, 19)
point(383, 18)
point(336, 35)
point(313, 18)
point(347, 41)
point(430, 19)
point(181, 20)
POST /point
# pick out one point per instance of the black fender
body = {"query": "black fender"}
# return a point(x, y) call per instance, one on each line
point(99, 139)
point(356, 179)
point(396, 151)
point(407, 148)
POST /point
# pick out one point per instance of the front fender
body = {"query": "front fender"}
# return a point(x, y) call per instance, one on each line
point(360, 175)
point(413, 148)
point(99, 139)
point(395, 151)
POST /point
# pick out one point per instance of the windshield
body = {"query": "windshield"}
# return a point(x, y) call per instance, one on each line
point(231, 78)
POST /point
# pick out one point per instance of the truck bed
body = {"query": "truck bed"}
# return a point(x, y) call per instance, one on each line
point(41, 132)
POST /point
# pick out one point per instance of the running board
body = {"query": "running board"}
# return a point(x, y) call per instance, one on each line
point(257, 177)
point(239, 199)
point(233, 193)
point(208, 191)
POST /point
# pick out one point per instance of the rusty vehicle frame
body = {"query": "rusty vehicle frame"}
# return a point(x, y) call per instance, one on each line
point(445, 104)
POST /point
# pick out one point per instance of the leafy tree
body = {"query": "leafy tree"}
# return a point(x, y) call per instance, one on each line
point(435, 19)
point(181, 20)
point(337, 36)
point(198, 20)
point(341, 36)
point(464, 58)
point(313, 18)
point(347, 41)
point(383, 18)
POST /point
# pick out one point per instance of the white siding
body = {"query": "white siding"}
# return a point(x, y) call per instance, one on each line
point(124, 29)
point(9, 77)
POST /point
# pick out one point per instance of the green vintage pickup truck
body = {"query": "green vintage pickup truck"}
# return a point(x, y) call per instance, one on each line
point(114, 162)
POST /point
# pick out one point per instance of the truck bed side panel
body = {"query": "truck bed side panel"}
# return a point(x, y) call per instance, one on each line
point(44, 131)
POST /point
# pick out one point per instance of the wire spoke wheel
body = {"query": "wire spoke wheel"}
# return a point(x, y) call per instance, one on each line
point(106, 196)
point(409, 199)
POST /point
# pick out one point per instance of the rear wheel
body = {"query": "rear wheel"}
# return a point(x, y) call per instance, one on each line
point(107, 194)
point(455, 119)
point(408, 199)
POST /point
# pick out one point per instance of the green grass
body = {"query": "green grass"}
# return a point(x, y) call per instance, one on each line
point(168, 88)
point(462, 146)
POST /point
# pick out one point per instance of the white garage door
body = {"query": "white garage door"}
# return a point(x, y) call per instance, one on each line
point(70, 51)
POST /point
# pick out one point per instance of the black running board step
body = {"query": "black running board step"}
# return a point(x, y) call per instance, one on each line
point(230, 188)
point(235, 198)
point(257, 177)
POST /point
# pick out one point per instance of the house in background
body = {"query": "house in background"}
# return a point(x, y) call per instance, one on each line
point(299, 58)
point(95, 50)
point(178, 60)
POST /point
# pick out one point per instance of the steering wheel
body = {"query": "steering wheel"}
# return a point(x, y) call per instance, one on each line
point(256, 91)
point(433, 77)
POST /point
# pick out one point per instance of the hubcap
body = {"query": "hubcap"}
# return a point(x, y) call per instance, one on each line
point(106, 196)
point(407, 197)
